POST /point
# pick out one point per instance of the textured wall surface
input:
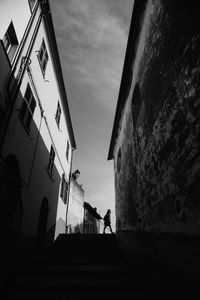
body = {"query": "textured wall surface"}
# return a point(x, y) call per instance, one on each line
point(157, 178)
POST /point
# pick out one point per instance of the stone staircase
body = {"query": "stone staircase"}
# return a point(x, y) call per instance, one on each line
point(86, 266)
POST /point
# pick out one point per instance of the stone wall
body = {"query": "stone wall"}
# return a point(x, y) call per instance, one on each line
point(158, 172)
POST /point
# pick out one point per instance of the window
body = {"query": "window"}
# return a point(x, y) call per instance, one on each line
point(27, 108)
point(43, 57)
point(10, 41)
point(51, 161)
point(58, 114)
point(64, 189)
point(67, 151)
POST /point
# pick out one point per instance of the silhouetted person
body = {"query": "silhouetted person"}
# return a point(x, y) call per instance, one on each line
point(107, 222)
point(76, 174)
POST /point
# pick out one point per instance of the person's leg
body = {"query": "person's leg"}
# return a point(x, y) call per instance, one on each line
point(104, 229)
point(110, 229)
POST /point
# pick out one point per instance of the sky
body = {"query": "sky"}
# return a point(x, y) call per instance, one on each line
point(92, 37)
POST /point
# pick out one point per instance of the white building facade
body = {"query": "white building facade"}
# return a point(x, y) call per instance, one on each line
point(36, 134)
point(75, 211)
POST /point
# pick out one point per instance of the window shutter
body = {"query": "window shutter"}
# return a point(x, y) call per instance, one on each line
point(62, 186)
point(66, 192)
point(64, 189)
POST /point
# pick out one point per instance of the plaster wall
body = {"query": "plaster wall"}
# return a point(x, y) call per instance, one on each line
point(124, 176)
point(157, 184)
point(75, 209)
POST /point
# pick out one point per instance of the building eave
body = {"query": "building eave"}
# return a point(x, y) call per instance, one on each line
point(134, 30)
point(57, 65)
point(92, 211)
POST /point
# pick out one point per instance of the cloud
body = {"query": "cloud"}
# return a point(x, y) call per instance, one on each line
point(93, 45)
point(102, 196)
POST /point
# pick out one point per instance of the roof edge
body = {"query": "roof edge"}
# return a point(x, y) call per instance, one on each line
point(138, 8)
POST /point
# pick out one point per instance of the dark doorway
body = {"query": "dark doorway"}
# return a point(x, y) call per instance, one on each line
point(42, 224)
point(10, 209)
point(10, 197)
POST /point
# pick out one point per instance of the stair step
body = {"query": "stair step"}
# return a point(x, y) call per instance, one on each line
point(76, 268)
point(84, 265)
point(85, 281)
point(83, 261)
point(95, 291)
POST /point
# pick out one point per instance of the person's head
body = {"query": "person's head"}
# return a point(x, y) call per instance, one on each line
point(108, 211)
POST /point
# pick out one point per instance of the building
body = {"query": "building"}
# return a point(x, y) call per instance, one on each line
point(91, 219)
point(36, 134)
point(75, 211)
point(155, 139)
